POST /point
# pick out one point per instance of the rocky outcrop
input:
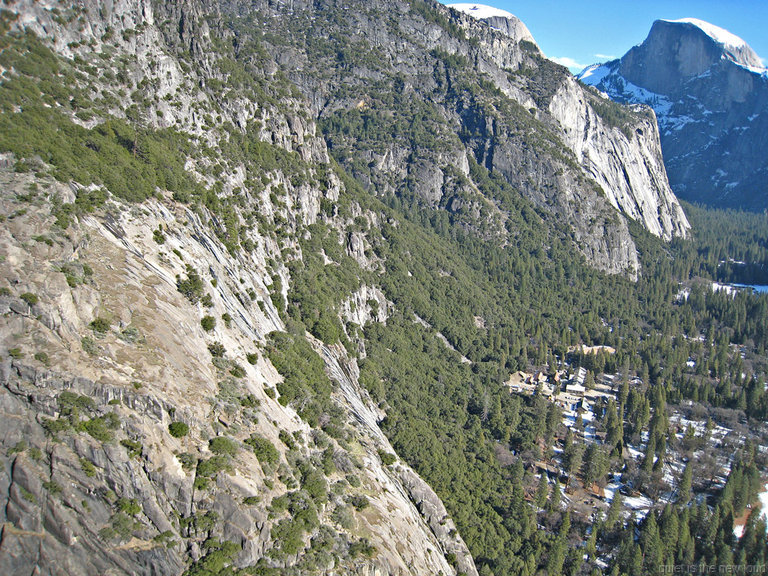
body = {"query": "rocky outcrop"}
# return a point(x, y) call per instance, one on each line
point(625, 161)
point(93, 480)
point(709, 91)
point(681, 50)
point(366, 305)
point(626, 164)
point(405, 482)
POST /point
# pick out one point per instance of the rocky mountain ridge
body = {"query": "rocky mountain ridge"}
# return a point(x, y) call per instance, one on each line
point(709, 91)
point(501, 20)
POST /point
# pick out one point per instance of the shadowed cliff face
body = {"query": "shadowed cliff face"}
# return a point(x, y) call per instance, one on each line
point(710, 94)
point(675, 52)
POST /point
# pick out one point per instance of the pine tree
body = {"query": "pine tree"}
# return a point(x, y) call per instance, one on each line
point(613, 517)
point(591, 544)
point(517, 472)
point(542, 491)
point(653, 550)
point(686, 546)
point(661, 451)
point(554, 419)
point(573, 456)
point(614, 427)
point(650, 452)
point(684, 488)
point(554, 500)
point(557, 552)
point(669, 532)
point(595, 465)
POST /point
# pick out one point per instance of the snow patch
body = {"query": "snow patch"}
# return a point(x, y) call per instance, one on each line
point(610, 491)
point(594, 74)
point(605, 77)
point(634, 452)
point(640, 505)
point(764, 502)
point(481, 11)
point(717, 287)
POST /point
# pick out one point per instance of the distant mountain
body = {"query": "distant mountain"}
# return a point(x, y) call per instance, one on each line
point(710, 93)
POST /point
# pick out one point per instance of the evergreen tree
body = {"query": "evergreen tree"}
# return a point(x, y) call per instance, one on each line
point(557, 551)
point(554, 500)
point(573, 455)
point(542, 491)
point(614, 428)
point(613, 517)
point(590, 547)
point(669, 532)
point(650, 541)
point(595, 465)
point(684, 488)
point(650, 454)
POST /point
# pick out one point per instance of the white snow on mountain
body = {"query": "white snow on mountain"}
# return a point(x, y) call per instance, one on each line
point(480, 11)
point(719, 35)
point(621, 89)
point(595, 73)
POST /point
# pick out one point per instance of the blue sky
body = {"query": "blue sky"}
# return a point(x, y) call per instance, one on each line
point(577, 33)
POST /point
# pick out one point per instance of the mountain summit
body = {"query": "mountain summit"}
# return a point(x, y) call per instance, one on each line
point(709, 90)
point(733, 46)
point(496, 18)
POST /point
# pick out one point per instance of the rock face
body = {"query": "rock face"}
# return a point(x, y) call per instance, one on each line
point(102, 352)
point(709, 91)
point(130, 498)
point(627, 164)
point(623, 159)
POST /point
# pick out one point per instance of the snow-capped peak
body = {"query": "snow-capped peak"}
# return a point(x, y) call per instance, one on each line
point(481, 11)
point(719, 35)
point(734, 48)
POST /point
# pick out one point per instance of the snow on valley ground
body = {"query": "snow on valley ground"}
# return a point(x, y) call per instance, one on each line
point(764, 502)
point(738, 530)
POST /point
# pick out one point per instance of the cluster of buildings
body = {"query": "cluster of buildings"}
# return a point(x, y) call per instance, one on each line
point(580, 398)
point(569, 391)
